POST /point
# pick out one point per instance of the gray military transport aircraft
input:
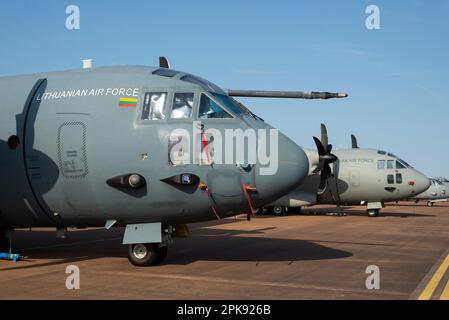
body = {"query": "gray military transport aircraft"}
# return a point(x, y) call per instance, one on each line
point(437, 192)
point(357, 177)
point(112, 147)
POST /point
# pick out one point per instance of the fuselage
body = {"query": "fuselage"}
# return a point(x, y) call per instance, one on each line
point(79, 129)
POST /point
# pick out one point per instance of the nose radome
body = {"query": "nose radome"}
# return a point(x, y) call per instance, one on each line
point(292, 168)
point(422, 183)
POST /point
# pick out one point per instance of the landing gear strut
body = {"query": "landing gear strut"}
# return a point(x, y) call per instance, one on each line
point(373, 213)
point(146, 254)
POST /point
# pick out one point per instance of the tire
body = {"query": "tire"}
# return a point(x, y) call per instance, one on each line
point(278, 210)
point(146, 254)
point(372, 213)
point(429, 204)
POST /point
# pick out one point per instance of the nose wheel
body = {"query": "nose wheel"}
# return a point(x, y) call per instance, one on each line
point(146, 254)
point(430, 204)
point(372, 213)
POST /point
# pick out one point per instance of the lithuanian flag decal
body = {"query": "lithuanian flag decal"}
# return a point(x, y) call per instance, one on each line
point(128, 102)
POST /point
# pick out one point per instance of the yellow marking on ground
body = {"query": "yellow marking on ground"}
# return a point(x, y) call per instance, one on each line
point(433, 283)
point(445, 294)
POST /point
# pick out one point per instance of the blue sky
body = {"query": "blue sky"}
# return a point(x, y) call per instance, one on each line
point(397, 77)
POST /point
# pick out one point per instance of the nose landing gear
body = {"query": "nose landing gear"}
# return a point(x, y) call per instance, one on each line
point(372, 213)
point(147, 254)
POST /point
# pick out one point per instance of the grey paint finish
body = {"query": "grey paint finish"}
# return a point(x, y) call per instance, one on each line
point(143, 233)
point(358, 180)
point(72, 146)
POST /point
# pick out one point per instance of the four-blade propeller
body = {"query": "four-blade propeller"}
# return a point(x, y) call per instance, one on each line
point(325, 158)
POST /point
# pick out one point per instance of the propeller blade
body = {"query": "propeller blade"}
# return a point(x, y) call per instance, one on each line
point(319, 146)
point(324, 136)
point(325, 173)
point(329, 148)
point(354, 142)
point(329, 158)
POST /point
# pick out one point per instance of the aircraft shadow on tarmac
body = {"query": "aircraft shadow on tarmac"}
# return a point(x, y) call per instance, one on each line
point(383, 213)
point(204, 245)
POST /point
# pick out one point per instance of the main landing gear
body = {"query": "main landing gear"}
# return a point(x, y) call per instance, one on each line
point(280, 211)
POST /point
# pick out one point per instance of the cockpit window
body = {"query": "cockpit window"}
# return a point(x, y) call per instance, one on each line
point(230, 103)
point(399, 165)
point(381, 152)
point(390, 164)
point(391, 155)
point(209, 86)
point(405, 163)
point(165, 72)
point(154, 106)
point(182, 106)
point(209, 109)
point(381, 164)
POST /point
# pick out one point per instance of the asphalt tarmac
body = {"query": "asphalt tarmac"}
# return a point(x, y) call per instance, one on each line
point(311, 256)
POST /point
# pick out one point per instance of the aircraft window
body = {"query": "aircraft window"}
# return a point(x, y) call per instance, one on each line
point(154, 106)
point(390, 164)
point(400, 165)
point(209, 86)
point(230, 103)
point(210, 109)
point(390, 179)
point(182, 106)
point(381, 164)
point(165, 72)
point(399, 178)
point(405, 163)
point(391, 155)
point(381, 152)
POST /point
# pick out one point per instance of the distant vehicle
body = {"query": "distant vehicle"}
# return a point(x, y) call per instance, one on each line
point(357, 177)
point(437, 192)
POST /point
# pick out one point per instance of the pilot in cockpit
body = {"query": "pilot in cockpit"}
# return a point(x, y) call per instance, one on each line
point(182, 105)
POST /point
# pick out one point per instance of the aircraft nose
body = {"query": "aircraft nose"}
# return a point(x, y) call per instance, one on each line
point(292, 167)
point(422, 183)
